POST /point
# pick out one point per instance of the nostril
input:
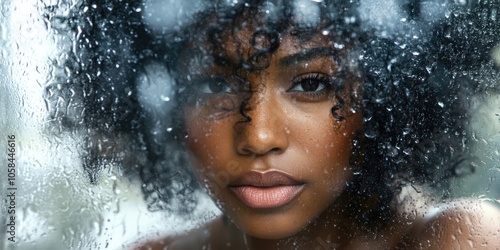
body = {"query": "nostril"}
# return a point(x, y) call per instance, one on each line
point(273, 151)
point(245, 151)
point(277, 150)
point(254, 152)
point(257, 146)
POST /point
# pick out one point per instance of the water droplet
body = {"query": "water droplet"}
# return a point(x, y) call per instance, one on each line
point(406, 131)
point(287, 130)
point(471, 243)
point(407, 151)
point(371, 134)
point(165, 98)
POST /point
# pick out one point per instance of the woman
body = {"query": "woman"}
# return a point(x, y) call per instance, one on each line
point(276, 116)
point(306, 130)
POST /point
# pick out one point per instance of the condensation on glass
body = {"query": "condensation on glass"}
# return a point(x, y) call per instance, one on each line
point(64, 200)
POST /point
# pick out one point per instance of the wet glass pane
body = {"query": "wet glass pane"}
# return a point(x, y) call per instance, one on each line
point(304, 124)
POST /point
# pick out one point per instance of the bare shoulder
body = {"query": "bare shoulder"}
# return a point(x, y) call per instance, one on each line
point(458, 224)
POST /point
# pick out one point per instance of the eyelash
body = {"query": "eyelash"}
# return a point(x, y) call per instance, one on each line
point(202, 85)
point(323, 80)
point(325, 83)
point(213, 91)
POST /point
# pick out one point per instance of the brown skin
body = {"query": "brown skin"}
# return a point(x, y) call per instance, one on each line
point(459, 224)
point(293, 131)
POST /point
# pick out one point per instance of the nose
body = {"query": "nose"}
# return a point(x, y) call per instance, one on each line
point(265, 133)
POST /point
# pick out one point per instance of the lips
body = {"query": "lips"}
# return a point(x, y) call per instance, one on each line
point(272, 189)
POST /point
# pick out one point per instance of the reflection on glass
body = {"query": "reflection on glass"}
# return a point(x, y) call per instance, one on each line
point(253, 124)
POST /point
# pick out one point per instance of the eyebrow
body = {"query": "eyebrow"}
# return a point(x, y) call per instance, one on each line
point(306, 55)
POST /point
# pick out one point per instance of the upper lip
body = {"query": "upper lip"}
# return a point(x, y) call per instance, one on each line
point(265, 179)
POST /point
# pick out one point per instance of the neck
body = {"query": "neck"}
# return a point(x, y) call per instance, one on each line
point(330, 230)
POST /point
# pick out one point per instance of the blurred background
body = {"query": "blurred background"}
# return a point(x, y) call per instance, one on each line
point(57, 207)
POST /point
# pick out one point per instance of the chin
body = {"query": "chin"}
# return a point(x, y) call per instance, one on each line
point(272, 226)
point(274, 233)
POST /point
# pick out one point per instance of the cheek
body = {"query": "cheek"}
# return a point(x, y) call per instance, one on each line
point(200, 141)
point(335, 151)
point(208, 144)
point(202, 158)
point(339, 149)
point(335, 161)
point(203, 150)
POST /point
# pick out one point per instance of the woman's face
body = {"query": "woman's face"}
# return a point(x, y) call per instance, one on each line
point(272, 175)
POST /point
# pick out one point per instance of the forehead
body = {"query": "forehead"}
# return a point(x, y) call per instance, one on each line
point(238, 47)
point(249, 41)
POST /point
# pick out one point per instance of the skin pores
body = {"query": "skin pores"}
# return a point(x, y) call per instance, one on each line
point(274, 175)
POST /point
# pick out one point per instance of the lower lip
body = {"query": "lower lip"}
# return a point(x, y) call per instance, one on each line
point(267, 197)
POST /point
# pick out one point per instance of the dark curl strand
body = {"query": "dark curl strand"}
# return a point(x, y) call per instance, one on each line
point(416, 98)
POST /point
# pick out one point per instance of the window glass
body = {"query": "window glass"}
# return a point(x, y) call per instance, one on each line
point(125, 122)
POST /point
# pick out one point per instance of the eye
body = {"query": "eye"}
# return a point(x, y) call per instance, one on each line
point(314, 82)
point(214, 86)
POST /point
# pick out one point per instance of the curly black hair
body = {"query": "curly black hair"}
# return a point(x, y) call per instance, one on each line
point(416, 98)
